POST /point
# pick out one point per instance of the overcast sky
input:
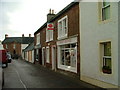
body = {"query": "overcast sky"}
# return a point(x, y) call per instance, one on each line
point(19, 17)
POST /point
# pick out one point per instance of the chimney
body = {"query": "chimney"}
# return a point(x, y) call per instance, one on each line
point(50, 14)
point(22, 35)
point(6, 35)
point(52, 11)
point(29, 35)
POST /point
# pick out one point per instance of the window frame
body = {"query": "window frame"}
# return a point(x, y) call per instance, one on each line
point(37, 38)
point(104, 57)
point(62, 28)
point(49, 35)
point(103, 11)
point(100, 11)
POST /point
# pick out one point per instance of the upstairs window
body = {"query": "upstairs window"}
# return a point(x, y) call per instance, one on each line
point(38, 39)
point(63, 27)
point(49, 35)
point(105, 10)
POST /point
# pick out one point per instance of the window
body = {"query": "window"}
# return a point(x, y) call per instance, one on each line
point(62, 27)
point(6, 46)
point(14, 46)
point(47, 55)
point(105, 48)
point(38, 39)
point(49, 35)
point(68, 55)
point(105, 10)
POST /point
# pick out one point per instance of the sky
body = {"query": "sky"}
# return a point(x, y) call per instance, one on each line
point(19, 17)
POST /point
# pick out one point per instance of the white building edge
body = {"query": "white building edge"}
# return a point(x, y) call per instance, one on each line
point(94, 34)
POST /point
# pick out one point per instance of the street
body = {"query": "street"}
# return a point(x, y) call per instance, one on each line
point(21, 74)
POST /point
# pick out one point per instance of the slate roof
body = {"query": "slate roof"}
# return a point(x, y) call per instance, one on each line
point(29, 47)
point(21, 40)
point(57, 15)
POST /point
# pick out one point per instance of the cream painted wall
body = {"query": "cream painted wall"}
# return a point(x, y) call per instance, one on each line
point(91, 33)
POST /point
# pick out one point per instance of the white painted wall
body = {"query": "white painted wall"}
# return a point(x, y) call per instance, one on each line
point(32, 56)
point(23, 46)
point(26, 56)
point(119, 43)
point(91, 33)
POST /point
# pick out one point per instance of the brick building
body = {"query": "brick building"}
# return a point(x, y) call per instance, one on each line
point(60, 48)
point(15, 45)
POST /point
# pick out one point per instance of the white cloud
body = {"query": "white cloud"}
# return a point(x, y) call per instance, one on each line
point(31, 14)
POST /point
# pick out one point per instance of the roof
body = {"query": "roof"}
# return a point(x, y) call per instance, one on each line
point(22, 40)
point(57, 15)
point(29, 47)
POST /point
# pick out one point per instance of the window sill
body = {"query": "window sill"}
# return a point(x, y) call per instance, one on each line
point(60, 38)
point(104, 21)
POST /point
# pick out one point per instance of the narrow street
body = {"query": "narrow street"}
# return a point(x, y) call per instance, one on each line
point(21, 74)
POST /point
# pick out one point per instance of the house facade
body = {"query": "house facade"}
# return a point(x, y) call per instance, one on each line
point(99, 43)
point(15, 45)
point(60, 45)
point(28, 53)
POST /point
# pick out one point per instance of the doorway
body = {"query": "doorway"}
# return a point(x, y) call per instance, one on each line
point(54, 58)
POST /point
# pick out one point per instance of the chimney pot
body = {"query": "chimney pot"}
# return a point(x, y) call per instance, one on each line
point(52, 11)
point(6, 35)
point(29, 35)
point(22, 35)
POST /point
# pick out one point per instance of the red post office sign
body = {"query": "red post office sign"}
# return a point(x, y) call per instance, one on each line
point(50, 26)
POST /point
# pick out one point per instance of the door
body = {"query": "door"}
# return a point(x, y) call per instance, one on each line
point(53, 58)
point(43, 56)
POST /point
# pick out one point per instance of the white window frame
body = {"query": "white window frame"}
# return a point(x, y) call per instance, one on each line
point(49, 35)
point(47, 54)
point(14, 46)
point(38, 39)
point(61, 29)
point(103, 15)
point(102, 56)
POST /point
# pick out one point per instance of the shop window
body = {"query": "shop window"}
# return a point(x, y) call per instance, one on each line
point(68, 55)
point(105, 48)
point(62, 27)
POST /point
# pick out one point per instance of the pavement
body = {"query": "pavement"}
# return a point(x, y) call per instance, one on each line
point(25, 75)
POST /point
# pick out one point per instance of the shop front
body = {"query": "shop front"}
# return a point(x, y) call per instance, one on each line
point(67, 54)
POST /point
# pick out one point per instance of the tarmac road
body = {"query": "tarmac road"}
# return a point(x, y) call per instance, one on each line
point(21, 74)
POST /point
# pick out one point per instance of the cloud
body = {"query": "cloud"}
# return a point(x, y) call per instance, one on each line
point(26, 16)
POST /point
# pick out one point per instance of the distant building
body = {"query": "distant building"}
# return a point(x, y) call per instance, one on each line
point(15, 45)
point(1, 46)
point(28, 53)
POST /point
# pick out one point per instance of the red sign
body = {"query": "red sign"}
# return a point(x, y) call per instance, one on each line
point(50, 26)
